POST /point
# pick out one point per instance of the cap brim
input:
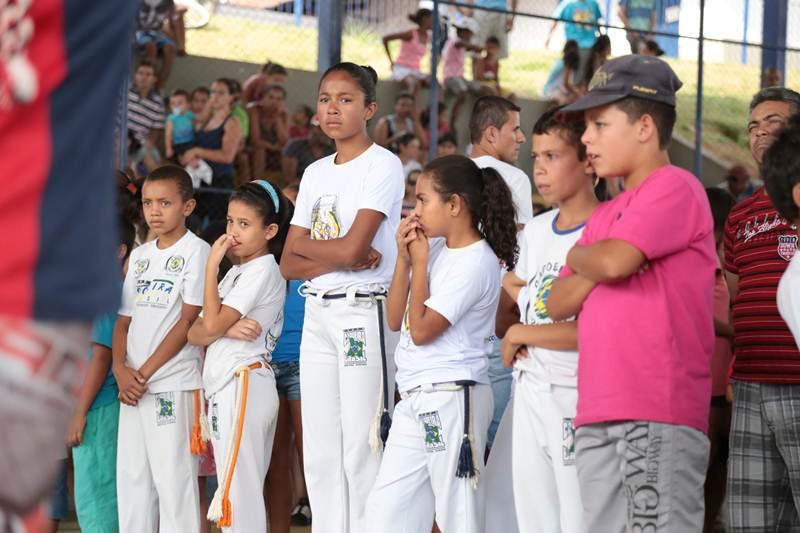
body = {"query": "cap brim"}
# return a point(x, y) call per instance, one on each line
point(592, 100)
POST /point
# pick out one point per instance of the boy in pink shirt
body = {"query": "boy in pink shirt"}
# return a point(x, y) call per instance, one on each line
point(642, 279)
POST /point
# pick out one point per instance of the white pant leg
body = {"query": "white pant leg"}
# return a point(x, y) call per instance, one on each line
point(255, 448)
point(137, 503)
point(402, 499)
point(340, 376)
point(167, 420)
point(546, 489)
point(497, 482)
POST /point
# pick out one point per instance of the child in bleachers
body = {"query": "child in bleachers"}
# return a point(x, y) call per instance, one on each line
point(150, 36)
point(487, 70)
point(180, 125)
point(301, 122)
point(413, 45)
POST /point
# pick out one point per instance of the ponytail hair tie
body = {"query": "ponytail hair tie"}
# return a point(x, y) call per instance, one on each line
point(267, 186)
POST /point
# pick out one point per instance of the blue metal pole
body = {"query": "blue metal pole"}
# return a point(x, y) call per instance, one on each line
point(608, 12)
point(330, 19)
point(298, 12)
point(744, 30)
point(774, 35)
point(698, 111)
point(434, 106)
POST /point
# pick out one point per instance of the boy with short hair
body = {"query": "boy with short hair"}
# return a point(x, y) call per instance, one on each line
point(781, 173)
point(157, 371)
point(642, 278)
point(180, 125)
point(544, 352)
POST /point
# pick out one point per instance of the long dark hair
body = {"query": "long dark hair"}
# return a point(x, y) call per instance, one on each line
point(602, 43)
point(488, 199)
point(257, 194)
point(571, 55)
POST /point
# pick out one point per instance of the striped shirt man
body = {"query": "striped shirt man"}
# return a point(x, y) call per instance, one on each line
point(145, 114)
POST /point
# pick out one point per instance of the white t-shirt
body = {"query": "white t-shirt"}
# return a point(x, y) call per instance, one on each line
point(256, 290)
point(543, 252)
point(157, 285)
point(464, 288)
point(789, 297)
point(517, 181)
point(330, 197)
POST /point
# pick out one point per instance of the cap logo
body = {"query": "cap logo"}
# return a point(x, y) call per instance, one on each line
point(600, 80)
point(646, 90)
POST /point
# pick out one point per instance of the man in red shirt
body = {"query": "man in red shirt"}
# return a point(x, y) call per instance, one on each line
point(763, 479)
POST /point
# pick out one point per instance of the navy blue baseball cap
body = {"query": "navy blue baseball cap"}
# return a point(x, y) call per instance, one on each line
point(641, 76)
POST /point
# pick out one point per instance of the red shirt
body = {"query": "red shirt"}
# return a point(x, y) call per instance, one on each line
point(759, 244)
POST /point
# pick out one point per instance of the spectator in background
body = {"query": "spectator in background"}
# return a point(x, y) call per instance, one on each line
point(301, 152)
point(598, 55)
point(772, 77)
point(180, 125)
point(408, 150)
point(494, 23)
point(150, 36)
point(271, 74)
point(413, 45)
point(443, 126)
point(410, 198)
point(759, 244)
point(446, 145)
point(487, 70)
point(403, 120)
point(301, 122)
point(453, 58)
point(199, 104)
point(639, 19)
point(563, 84)
point(145, 115)
point(269, 132)
point(739, 184)
point(649, 47)
point(580, 24)
point(238, 110)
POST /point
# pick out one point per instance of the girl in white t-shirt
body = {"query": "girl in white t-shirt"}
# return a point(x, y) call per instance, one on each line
point(241, 322)
point(443, 298)
point(342, 242)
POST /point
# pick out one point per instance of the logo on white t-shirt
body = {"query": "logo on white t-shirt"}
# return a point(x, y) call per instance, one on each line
point(155, 293)
point(787, 246)
point(324, 221)
point(141, 267)
point(175, 264)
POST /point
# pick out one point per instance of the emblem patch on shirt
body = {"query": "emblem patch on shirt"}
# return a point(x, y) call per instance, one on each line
point(175, 264)
point(165, 408)
point(540, 306)
point(355, 347)
point(787, 246)
point(155, 293)
point(324, 221)
point(215, 420)
point(568, 441)
point(141, 266)
point(434, 438)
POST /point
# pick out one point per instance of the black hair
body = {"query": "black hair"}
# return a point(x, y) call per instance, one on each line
point(145, 62)
point(127, 235)
point(180, 92)
point(721, 202)
point(493, 40)
point(272, 69)
point(403, 140)
point(489, 111)
point(421, 13)
point(780, 170)
point(569, 126)
point(256, 196)
point(129, 197)
point(275, 87)
point(364, 75)
point(662, 114)
point(488, 199)
point(307, 111)
point(228, 83)
point(201, 89)
point(234, 84)
point(571, 55)
point(653, 47)
point(402, 95)
point(602, 43)
point(176, 174)
point(777, 94)
point(446, 138)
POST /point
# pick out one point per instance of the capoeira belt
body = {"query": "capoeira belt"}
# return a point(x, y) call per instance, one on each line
point(220, 508)
point(467, 465)
point(382, 422)
point(200, 433)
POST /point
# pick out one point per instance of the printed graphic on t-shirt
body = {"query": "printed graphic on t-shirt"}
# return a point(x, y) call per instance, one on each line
point(141, 267)
point(355, 347)
point(787, 246)
point(154, 293)
point(175, 264)
point(568, 441)
point(539, 287)
point(434, 438)
point(215, 420)
point(165, 408)
point(324, 221)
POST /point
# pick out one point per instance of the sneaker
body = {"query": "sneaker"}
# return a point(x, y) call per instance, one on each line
point(301, 514)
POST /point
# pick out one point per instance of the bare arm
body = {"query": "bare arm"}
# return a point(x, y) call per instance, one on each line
point(623, 16)
point(424, 323)
point(295, 266)
point(398, 294)
point(507, 314)
point(347, 251)
point(512, 284)
point(561, 336)
point(173, 342)
point(567, 296)
point(130, 382)
point(405, 36)
point(95, 377)
point(606, 261)
point(168, 139)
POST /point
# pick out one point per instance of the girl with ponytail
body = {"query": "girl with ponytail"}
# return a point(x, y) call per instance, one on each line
point(240, 325)
point(443, 298)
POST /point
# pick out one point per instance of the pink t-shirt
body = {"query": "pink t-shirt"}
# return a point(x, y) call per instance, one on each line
point(645, 343)
point(411, 51)
point(453, 60)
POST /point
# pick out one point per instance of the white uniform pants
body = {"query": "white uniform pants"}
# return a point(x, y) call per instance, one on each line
point(156, 471)
point(546, 490)
point(255, 448)
point(497, 482)
point(340, 382)
point(417, 479)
